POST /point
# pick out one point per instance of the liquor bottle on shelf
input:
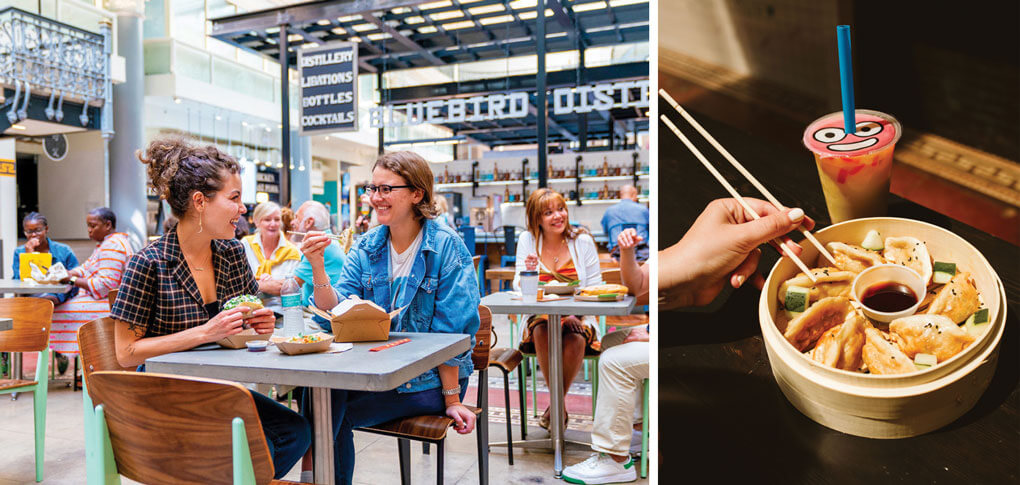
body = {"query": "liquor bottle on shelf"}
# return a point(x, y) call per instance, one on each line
point(506, 194)
point(605, 166)
point(495, 171)
point(446, 174)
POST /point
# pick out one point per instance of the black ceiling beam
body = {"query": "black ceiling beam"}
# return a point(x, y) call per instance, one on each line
point(300, 14)
point(402, 39)
point(615, 72)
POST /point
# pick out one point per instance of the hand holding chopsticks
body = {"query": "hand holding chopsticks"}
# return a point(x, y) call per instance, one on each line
point(729, 188)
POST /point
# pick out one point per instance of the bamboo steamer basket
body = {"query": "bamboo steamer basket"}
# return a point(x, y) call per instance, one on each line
point(887, 406)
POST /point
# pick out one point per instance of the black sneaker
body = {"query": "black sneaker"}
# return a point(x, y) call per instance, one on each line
point(61, 362)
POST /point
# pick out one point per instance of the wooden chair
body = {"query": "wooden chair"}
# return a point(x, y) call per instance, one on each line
point(433, 429)
point(506, 360)
point(31, 333)
point(98, 352)
point(157, 428)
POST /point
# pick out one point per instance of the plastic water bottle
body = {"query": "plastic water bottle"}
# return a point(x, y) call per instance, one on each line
point(293, 315)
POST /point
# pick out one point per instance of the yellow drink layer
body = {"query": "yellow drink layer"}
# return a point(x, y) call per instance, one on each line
point(856, 187)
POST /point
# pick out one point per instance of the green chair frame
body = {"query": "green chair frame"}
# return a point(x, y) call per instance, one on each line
point(39, 391)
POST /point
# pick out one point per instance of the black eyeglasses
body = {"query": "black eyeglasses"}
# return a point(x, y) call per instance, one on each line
point(35, 231)
point(385, 190)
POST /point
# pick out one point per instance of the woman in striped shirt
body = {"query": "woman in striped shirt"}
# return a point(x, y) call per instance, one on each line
point(94, 278)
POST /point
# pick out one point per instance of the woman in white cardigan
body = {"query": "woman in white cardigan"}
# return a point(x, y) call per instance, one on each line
point(563, 253)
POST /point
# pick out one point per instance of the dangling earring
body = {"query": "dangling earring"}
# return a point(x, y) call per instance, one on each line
point(199, 222)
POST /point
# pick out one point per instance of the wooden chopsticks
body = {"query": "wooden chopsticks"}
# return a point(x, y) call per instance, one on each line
point(729, 188)
point(335, 237)
point(743, 171)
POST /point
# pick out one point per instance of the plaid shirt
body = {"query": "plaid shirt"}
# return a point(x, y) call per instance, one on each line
point(158, 294)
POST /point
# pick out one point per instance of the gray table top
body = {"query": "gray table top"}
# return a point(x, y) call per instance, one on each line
point(27, 288)
point(6, 324)
point(356, 369)
point(502, 302)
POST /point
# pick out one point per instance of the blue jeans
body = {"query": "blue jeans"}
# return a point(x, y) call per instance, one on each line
point(288, 434)
point(358, 409)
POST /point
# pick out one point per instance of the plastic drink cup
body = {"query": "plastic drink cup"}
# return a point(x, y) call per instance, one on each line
point(529, 286)
point(854, 169)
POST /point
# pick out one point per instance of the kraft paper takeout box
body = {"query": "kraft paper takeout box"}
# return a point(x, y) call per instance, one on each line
point(355, 320)
point(237, 341)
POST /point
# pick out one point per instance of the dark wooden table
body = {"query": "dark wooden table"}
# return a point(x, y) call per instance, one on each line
point(722, 415)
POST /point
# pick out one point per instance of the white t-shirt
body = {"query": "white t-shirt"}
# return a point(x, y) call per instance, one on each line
point(400, 267)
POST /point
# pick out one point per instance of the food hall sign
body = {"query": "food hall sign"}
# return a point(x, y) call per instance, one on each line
point(329, 87)
point(566, 100)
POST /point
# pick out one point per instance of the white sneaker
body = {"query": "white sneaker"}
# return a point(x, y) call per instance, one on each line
point(600, 468)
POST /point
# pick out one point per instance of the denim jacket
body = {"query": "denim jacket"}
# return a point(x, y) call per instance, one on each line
point(446, 299)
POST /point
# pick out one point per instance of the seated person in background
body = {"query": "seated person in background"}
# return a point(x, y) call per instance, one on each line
point(172, 292)
point(243, 229)
point(627, 211)
point(313, 216)
point(560, 252)
point(94, 279)
point(271, 256)
point(720, 248)
point(37, 232)
point(287, 222)
point(410, 261)
point(444, 212)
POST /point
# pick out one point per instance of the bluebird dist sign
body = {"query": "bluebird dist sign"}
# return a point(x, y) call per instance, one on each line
point(329, 88)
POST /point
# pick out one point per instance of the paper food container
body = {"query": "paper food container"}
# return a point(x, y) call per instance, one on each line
point(887, 406)
point(559, 289)
point(297, 348)
point(358, 321)
point(238, 341)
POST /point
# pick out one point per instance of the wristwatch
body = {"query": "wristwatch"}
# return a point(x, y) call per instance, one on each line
point(73, 280)
point(452, 392)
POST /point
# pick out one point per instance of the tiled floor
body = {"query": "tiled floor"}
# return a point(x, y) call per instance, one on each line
point(377, 455)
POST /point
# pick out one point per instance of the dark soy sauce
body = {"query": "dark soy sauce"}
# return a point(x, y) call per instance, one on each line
point(889, 297)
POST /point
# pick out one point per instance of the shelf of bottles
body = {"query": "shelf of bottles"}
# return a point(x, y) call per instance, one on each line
point(594, 177)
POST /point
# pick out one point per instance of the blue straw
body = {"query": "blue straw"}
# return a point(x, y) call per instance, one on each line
point(846, 77)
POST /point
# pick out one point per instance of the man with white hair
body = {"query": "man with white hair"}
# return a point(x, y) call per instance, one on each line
point(313, 216)
point(626, 214)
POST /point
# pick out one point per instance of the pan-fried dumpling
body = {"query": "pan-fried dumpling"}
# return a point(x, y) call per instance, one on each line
point(910, 252)
point(883, 356)
point(930, 334)
point(840, 346)
point(831, 282)
point(957, 299)
point(853, 258)
point(804, 330)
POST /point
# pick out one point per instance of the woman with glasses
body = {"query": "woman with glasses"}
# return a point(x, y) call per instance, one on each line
point(560, 252)
point(412, 262)
point(37, 231)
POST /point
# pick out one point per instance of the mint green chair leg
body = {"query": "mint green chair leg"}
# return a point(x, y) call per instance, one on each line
point(244, 472)
point(39, 404)
point(106, 465)
point(594, 385)
point(534, 385)
point(92, 469)
point(645, 425)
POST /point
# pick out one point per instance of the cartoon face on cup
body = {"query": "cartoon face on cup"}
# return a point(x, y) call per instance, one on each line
point(827, 136)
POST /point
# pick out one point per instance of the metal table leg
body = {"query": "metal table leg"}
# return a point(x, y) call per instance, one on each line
point(556, 392)
point(16, 371)
point(322, 410)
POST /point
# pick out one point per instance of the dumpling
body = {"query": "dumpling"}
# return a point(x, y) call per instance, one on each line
point(883, 356)
point(957, 299)
point(804, 330)
point(909, 252)
point(853, 258)
point(840, 346)
point(930, 334)
point(831, 282)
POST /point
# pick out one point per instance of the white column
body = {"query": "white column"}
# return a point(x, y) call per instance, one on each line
point(8, 204)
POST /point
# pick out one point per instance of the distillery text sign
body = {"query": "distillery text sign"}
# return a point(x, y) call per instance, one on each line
point(329, 88)
point(565, 100)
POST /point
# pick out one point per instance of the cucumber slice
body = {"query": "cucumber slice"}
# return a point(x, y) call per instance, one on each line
point(873, 241)
point(925, 359)
point(943, 272)
point(980, 316)
point(921, 366)
point(797, 298)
